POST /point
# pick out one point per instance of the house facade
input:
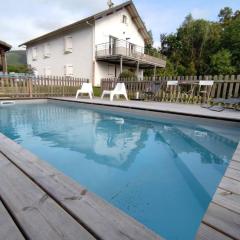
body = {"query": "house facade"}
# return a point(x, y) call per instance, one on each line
point(100, 46)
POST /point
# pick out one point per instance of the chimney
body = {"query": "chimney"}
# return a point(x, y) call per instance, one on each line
point(110, 3)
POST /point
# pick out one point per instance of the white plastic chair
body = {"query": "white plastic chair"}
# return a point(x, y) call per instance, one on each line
point(87, 89)
point(120, 89)
point(207, 84)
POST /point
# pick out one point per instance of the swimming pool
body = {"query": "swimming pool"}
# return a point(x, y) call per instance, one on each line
point(163, 173)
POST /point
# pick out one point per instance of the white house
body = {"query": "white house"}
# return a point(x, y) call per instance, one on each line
point(100, 46)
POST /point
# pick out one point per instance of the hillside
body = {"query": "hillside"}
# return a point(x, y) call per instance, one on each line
point(17, 57)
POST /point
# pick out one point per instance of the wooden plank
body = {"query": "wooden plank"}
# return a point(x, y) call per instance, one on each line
point(236, 156)
point(233, 173)
point(227, 199)
point(207, 233)
point(100, 217)
point(39, 215)
point(223, 220)
point(230, 185)
point(235, 165)
point(8, 229)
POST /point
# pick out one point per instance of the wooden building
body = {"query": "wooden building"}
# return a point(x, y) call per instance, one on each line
point(4, 47)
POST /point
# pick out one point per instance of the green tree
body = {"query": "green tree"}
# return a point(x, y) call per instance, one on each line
point(221, 63)
point(231, 40)
point(225, 15)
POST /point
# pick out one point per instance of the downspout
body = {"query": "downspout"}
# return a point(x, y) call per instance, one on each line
point(93, 51)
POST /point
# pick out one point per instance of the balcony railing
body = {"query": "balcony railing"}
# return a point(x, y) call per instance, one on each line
point(127, 49)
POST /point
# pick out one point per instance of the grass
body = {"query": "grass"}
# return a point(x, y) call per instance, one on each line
point(97, 91)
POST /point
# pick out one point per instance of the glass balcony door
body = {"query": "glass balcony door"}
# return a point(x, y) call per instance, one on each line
point(112, 45)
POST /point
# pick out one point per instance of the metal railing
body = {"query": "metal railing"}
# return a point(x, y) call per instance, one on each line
point(127, 49)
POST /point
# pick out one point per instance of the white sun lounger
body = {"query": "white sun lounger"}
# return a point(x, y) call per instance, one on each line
point(87, 89)
point(120, 89)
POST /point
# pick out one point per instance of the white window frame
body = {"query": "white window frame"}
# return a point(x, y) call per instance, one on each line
point(68, 70)
point(68, 44)
point(34, 53)
point(46, 50)
point(124, 19)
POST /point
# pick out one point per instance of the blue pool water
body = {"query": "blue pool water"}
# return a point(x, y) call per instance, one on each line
point(162, 173)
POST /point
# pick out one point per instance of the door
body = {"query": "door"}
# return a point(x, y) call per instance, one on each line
point(112, 45)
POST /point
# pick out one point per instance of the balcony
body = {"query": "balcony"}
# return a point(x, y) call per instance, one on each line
point(130, 55)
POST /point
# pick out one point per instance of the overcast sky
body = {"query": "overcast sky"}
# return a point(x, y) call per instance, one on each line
point(23, 20)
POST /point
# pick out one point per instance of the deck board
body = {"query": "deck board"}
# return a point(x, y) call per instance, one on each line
point(36, 213)
point(8, 229)
point(222, 218)
point(207, 233)
point(96, 215)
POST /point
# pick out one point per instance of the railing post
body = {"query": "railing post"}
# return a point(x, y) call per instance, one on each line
point(121, 65)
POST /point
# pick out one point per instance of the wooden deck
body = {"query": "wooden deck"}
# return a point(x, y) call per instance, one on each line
point(222, 219)
point(37, 202)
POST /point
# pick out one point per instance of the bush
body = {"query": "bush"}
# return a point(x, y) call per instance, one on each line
point(126, 74)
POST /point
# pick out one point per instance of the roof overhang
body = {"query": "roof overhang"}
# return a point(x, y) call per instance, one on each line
point(5, 46)
point(129, 5)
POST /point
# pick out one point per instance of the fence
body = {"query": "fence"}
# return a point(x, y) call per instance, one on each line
point(33, 87)
point(224, 87)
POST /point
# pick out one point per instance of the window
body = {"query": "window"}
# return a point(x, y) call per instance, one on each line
point(46, 50)
point(47, 71)
point(124, 19)
point(68, 46)
point(34, 53)
point(68, 70)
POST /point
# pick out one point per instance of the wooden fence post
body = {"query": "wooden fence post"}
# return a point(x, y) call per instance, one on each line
point(30, 87)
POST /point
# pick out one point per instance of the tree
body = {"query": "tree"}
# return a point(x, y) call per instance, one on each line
point(225, 15)
point(197, 43)
point(221, 63)
point(231, 40)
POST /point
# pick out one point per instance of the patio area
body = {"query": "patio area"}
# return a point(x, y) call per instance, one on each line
point(164, 107)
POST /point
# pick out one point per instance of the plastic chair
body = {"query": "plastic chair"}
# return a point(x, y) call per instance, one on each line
point(87, 89)
point(120, 89)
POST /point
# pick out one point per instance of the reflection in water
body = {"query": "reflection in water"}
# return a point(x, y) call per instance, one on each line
point(161, 173)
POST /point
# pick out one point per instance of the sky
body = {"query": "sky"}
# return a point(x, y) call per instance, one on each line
point(23, 20)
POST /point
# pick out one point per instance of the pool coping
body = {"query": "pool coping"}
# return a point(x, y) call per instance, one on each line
point(117, 104)
point(121, 105)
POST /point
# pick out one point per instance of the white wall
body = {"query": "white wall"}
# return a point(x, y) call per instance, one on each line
point(112, 25)
point(81, 57)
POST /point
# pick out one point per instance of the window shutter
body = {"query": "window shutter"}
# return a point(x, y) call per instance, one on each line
point(68, 45)
point(47, 50)
point(34, 53)
point(68, 70)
